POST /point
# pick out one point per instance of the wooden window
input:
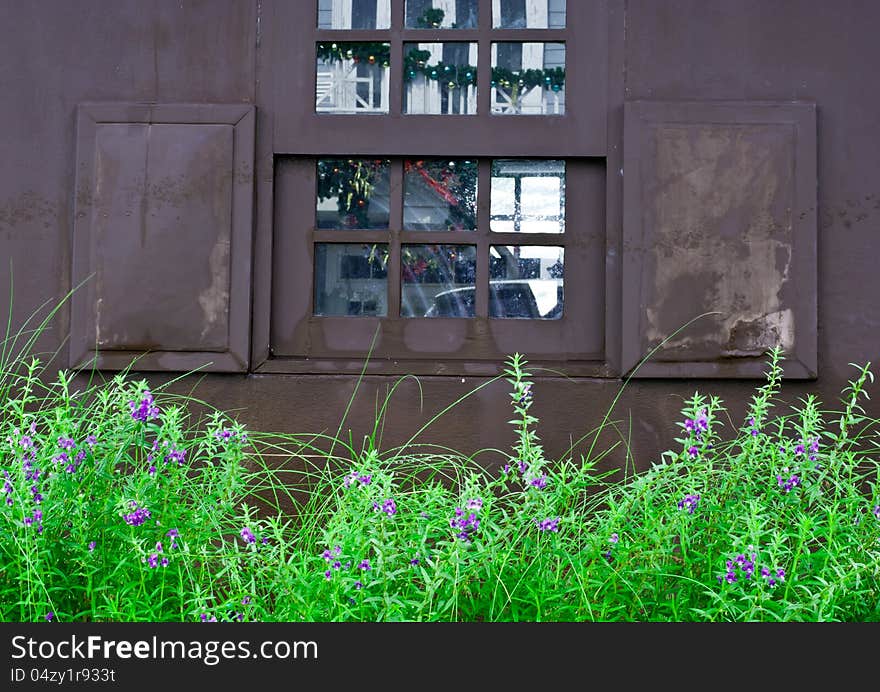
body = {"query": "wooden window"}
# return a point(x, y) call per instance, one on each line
point(439, 186)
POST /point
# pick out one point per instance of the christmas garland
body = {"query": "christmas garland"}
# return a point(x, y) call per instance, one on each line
point(415, 63)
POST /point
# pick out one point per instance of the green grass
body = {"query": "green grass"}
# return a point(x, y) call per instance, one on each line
point(777, 519)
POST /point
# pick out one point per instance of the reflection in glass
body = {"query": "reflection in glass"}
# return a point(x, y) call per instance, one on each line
point(352, 193)
point(528, 78)
point(525, 281)
point(440, 195)
point(351, 279)
point(528, 196)
point(528, 14)
point(441, 14)
point(440, 78)
point(352, 77)
point(437, 280)
point(354, 14)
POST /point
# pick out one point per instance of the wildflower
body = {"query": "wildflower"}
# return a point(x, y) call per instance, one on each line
point(159, 547)
point(798, 449)
point(414, 561)
point(358, 585)
point(145, 409)
point(523, 466)
point(224, 434)
point(26, 442)
point(50, 616)
point(364, 565)
point(689, 502)
point(526, 394)
point(91, 440)
point(877, 511)
point(92, 546)
point(153, 560)
point(608, 556)
point(354, 477)
point(465, 525)
point(336, 564)
point(613, 538)
point(540, 482)
point(248, 536)
point(788, 484)
point(178, 455)
point(245, 600)
point(693, 452)
point(328, 575)
point(505, 468)
point(754, 427)
point(204, 617)
point(814, 448)
point(66, 442)
point(548, 525)
point(137, 516)
point(326, 555)
point(389, 507)
point(475, 503)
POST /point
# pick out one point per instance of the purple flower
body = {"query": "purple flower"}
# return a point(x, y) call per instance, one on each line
point(358, 585)
point(91, 440)
point(66, 442)
point(548, 525)
point(92, 546)
point(798, 449)
point(364, 565)
point(689, 502)
point(613, 538)
point(474, 503)
point(540, 482)
point(245, 600)
point(465, 525)
point(526, 394)
point(248, 536)
point(765, 572)
point(693, 452)
point(788, 484)
point(50, 616)
point(204, 617)
point(178, 455)
point(523, 466)
point(164, 562)
point(354, 477)
point(153, 560)
point(414, 561)
point(172, 533)
point(151, 470)
point(224, 434)
point(145, 409)
point(328, 575)
point(877, 511)
point(389, 507)
point(137, 516)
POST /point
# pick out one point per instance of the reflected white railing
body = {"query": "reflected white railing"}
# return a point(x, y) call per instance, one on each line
point(336, 89)
point(425, 96)
point(534, 101)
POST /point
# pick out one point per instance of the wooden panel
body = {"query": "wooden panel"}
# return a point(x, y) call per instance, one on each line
point(162, 236)
point(719, 225)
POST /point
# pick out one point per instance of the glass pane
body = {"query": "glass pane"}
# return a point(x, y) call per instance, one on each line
point(352, 77)
point(528, 78)
point(354, 14)
point(528, 196)
point(440, 195)
point(437, 280)
point(350, 279)
point(440, 78)
point(441, 14)
point(528, 14)
point(352, 193)
point(525, 281)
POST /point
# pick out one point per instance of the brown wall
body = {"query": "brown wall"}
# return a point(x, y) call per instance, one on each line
point(55, 54)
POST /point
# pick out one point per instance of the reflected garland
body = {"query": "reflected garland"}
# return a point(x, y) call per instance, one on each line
point(415, 63)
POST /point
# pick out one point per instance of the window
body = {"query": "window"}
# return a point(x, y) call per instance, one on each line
point(440, 201)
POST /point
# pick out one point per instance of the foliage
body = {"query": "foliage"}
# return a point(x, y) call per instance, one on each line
point(121, 505)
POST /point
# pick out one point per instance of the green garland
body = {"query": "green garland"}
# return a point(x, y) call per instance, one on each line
point(415, 63)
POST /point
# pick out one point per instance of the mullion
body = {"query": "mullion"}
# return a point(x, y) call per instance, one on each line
point(484, 212)
point(395, 208)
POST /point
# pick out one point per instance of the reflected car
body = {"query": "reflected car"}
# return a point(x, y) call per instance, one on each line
point(512, 298)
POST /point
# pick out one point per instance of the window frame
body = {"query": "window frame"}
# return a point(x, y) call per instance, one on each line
point(289, 129)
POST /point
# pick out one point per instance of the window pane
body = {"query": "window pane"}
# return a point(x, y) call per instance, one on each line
point(352, 77)
point(440, 78)
point(352, 193)
point(437, 280)
point(528, 78)
point(528, 14)
point(354, 14)
point(441, 14)
point(440, 195)
point(525, 281)
point(350, 279)
point(527, 196)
